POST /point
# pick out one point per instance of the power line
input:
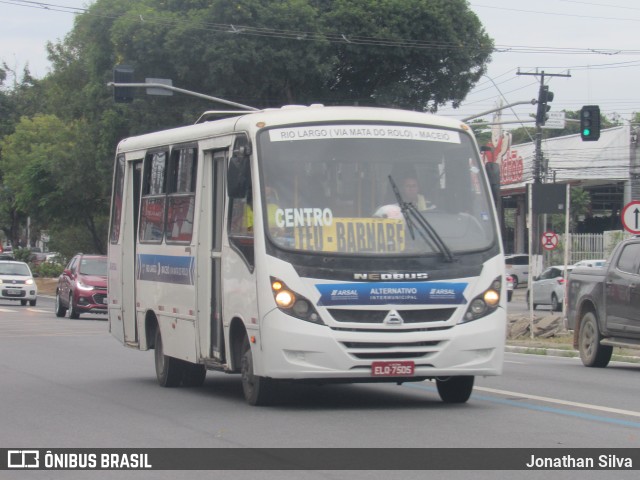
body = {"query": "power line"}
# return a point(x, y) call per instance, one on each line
point(573, 15)
point(342, 38)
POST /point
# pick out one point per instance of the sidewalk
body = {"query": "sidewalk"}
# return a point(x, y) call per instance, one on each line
point(550, 337)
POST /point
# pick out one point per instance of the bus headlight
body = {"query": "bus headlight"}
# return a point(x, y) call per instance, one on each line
point(485, 303)
point(293, 303)
point(285, 299)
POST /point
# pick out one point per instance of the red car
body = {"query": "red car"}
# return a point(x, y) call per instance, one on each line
point(82, 287)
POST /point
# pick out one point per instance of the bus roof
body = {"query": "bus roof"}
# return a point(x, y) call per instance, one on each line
point(283, 116)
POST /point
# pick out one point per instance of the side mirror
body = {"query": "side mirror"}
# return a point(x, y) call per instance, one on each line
point(239, 170)
point(238, 177)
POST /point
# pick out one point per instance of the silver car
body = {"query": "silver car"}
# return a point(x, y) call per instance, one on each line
point(548, 288)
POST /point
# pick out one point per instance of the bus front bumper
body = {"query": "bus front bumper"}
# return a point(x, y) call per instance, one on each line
point(295, 349)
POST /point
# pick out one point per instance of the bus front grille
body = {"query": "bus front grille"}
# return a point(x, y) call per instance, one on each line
point(378, 316)
point(390, 351)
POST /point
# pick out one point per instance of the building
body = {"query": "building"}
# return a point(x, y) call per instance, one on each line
point(609, 169)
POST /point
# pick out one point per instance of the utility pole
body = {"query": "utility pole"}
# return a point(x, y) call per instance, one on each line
point(545, 96)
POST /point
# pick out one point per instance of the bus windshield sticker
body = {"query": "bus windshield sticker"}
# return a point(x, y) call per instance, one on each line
point(352, 235)
point(430, 293)
point(303, 217)
point(392, 132)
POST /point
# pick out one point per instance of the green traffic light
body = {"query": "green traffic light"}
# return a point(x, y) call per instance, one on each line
point(586, 132)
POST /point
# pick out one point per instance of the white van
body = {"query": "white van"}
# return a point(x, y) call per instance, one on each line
point(517, 266)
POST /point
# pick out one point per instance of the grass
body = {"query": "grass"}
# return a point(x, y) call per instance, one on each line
point(563, 346)
point(46, 286)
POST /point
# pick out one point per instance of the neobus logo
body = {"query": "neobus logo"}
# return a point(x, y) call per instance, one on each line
point(390, 276)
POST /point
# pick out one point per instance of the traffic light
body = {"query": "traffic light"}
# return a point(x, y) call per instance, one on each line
point(123, 74)
point(544, 97)
point(590, 123)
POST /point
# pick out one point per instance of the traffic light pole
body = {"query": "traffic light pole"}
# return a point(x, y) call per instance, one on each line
point(181, 90)
point(544, 97)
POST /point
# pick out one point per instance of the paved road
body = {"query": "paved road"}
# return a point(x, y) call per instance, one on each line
point(68, 383)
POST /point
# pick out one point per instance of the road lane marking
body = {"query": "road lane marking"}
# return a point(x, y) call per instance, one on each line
point(8, 310)
point(557, 401)
point(546, 409)
point(66, 334)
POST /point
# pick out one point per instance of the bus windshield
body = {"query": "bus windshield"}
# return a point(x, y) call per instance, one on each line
point(330, 189)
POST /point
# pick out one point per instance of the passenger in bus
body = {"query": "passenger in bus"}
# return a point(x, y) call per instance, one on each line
point(243, 224)
point(273, 203)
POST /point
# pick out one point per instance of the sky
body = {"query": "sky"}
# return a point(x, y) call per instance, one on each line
point(595, 41)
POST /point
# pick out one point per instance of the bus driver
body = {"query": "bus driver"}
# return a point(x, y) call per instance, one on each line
point(409, 189)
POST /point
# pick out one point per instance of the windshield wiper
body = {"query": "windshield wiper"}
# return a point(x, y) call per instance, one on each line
point(409, 210)
point(404, 207)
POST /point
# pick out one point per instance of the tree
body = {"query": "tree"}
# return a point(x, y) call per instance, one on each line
point(579, 205)
point(49, 167)
point(443, 52)
point(399, 53)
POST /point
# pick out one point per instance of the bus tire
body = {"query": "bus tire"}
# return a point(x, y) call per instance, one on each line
point(193, 375)
point(455, 389)
point(169, 370)
point(257, 390)
point(592, 353)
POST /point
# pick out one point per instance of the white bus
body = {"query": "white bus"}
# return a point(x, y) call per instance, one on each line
point(323, 244)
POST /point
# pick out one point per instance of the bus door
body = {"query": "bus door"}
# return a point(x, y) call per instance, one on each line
point(129, 264)
point(209, 251)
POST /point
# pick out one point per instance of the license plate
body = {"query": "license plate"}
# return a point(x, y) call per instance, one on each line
point(13, 291)
point(392, 369)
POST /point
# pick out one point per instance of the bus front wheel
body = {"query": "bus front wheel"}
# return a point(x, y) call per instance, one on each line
point(169, 370)
point(257, 390)
point(455, 389)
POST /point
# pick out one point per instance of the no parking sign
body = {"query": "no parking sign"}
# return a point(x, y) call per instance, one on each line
point(549, 240)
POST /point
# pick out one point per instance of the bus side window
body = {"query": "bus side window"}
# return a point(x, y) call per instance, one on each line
point(153, 198)
point(181, 199)
point(116, 205)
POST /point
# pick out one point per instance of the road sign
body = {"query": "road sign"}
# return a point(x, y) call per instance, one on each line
point(555, 120)
point(549, 240)
point(631, 217)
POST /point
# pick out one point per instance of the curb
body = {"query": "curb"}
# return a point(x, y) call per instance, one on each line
point(557, 352)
